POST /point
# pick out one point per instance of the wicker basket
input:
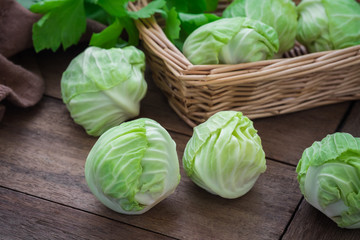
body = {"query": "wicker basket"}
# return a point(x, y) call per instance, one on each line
point(258, 89)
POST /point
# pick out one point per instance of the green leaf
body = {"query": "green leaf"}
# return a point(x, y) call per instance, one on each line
point(131, 30)
point(63, 23)
point(190, 22)
point(95, 12)
point(107, 38)
point(279, 14)
point(224, 156)
point(181, 6)
point(148, 10)
point(344, 22)
point(211, 5)
point(192, 6)
point(103, 87)
point(328, 176)
point(180, 25)
point(172, 28)
point(115, 8)
point(223, 42)
point(45, 6)
point(133, 166)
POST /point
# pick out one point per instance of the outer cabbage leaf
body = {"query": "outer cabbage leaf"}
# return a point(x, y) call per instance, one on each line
point(328, 25)
point(133, 166)
point(231, 41)
point(329, 178)
point(103, 87)
point(189, 22)
point(344, 22)
point(279, 14)
point(224, 156)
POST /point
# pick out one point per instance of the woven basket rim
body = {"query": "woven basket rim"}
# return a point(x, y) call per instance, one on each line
point(187, 68)
point(195, 92)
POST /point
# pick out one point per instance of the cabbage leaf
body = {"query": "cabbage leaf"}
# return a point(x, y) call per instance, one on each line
point(133, 166)
point(279, 14)
point(103, 87)
point(224, 156)
point(231, 41)
point(328, 25)
point(329, 178)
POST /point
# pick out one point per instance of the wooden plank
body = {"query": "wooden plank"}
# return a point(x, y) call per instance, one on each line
point(285, 137)
point(43, 154)
point(302, 226)
point(27, 217)
point(352, 123)
point(309, 223)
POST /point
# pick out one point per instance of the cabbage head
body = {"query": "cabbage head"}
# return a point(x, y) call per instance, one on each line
point(224, 156)
point(279, 14)
point(329, 178)
point(231, 41)
point(103, 87)
point(133, 166)
point(328, 24)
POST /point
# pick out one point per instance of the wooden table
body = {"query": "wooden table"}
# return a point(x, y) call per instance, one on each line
point(44, 194)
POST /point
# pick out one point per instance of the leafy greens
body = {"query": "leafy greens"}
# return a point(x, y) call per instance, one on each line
point(231, 41)
point(225, 156)
point(103, 87)
point(133, 166)
point(328, 176)
point(328, 25)
point(64, 21)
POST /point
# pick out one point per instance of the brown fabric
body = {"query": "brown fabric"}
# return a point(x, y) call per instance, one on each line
point(15, 27)
point(18, 85)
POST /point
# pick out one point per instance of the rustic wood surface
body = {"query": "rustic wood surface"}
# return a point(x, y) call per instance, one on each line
point(43, 193)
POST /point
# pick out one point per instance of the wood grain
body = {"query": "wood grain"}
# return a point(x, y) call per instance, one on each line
point(43, 154)
point(311, 224)
point(27, 217)
point(352, 123)
point(285, 137)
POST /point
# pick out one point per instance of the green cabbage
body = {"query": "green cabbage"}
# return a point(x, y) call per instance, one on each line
point(231, 41)
point(279, 14)
point(133, 166)
point(328, 24)
point(103, 87)
point(224, 156)
point(329, 178)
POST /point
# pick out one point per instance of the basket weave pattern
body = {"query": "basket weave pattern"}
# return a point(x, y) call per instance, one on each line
point(258, 89)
